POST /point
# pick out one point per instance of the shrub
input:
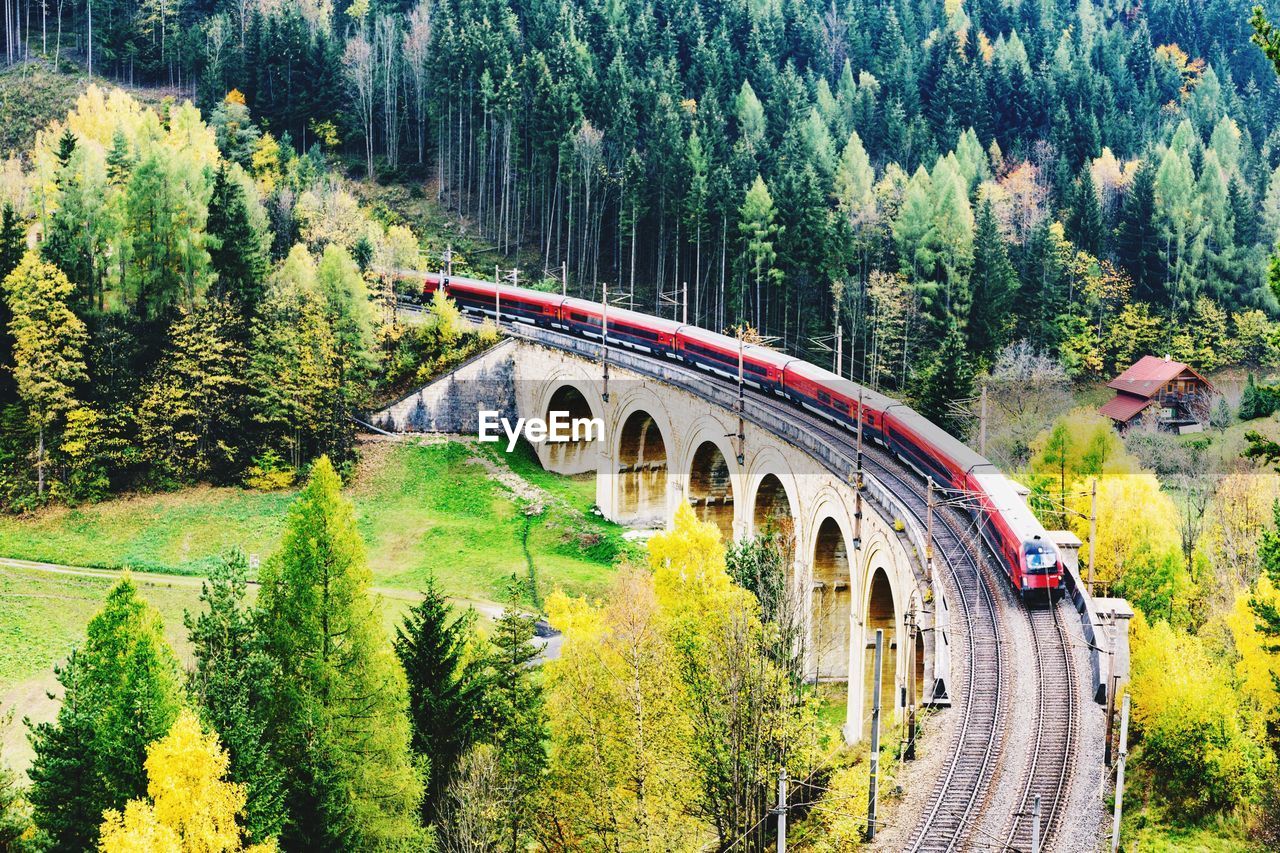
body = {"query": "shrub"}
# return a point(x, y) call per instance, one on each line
point(1258, 401)
point(269, 473)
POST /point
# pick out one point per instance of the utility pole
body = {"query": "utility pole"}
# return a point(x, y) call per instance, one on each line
point(982, 423)
point(909, 752)
point(1124, 747)
point(840, 351)
point(875, 737)
point(1111, 689)
point(604, 336)
point(1093, 531)
point(857, 485)
point(564, 278)
point(928, 533)
point(448, 259)
point(1035, 825)
point(684, 316)
point(782, 810)
point(742, 403)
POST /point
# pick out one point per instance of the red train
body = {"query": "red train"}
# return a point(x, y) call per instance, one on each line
point(1028, 555)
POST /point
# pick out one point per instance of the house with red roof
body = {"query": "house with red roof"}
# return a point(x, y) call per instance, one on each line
point(1181, 394)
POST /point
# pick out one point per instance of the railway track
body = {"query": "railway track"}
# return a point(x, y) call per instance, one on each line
point(961, 790)
point(1053, 753)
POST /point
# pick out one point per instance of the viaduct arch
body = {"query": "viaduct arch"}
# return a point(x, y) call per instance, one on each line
point(854, 567)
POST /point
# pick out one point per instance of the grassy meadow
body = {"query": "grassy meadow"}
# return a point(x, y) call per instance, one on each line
point(472, 518)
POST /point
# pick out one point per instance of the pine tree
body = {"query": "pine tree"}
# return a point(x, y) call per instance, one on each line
point(515, 719)
point(13, 244)
point(120, 160)
point(238, 249)
point(234, 684)
point(123, 690)
point(297, 399)
point(759, 233)
point(695, 212)
point(1182, 227)
point(946, 383)
point(1243, 213)
point(48, 346)
point(76, 233)
point(994, 282)
point(1084, 225)
point(190, 411)
point(13, 239)
point(1138, 241)
point(65, 788)
point(341, 719)
point(66, 147)
point(446, 686)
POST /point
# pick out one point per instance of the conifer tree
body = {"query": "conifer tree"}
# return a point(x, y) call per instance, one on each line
point(237, 250)
point(66, 147)
point(341, 712)
point(191, 412)
point(759, 232)
point(515, 718)
point(946, 384)
point(120, 160)
point(122, 690)
point(13, 239)
point(1084, 225)
point(446, 686)
point(48, 347)
point(65, 789)
point(13, 244)
point(1137, 240)
point(234, 684)
point(994, 282)
point(297, 399)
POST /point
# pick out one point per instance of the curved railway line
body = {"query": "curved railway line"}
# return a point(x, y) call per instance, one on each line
point(960, 791)
point(957, 799)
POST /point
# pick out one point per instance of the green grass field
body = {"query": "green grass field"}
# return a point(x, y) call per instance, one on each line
point(423, 509)
point(44, 615)
point(471, 518)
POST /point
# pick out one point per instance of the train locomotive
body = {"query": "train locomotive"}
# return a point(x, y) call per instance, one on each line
point(1029, 558)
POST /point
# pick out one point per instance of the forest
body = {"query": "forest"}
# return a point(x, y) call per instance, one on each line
point(907, 182)
point(1026, 195)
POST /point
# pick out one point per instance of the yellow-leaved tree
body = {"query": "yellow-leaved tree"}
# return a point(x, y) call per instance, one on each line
point(671, 706)
point(618, 771)
point(1137, 546)
point(190, 805)
point(1200, 748)
point(1255, 683)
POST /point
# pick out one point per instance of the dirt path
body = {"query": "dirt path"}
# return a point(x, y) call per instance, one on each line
point(487, 608)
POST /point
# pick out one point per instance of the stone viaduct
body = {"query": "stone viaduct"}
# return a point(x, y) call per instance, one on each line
point(857, 554)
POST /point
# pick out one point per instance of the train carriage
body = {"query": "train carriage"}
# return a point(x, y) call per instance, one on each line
point(1011, 530)
point(720, 353)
